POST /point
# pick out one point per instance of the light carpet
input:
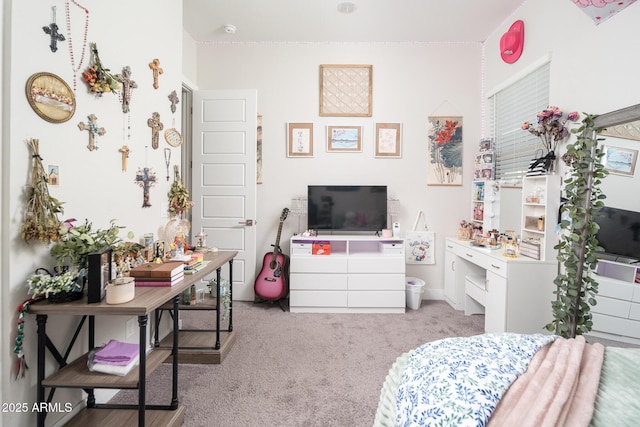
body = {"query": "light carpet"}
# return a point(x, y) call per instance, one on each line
point(295, 369)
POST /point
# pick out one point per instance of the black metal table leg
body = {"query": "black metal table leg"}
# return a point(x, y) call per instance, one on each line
point(217, 346)
point(142, 369)
point(231, 295)
point(176, 335)
point(41, 320)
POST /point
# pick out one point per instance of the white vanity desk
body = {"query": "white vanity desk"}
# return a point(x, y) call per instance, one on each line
point(515, 294)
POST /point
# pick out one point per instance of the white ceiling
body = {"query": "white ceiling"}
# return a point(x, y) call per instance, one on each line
point(371, 21)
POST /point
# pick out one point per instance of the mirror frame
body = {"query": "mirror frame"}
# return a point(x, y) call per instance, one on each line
point(617, 117)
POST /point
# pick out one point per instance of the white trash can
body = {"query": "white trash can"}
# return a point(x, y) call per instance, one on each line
point(414, 291)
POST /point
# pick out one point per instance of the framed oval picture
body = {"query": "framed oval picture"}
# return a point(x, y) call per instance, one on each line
point(50, 97)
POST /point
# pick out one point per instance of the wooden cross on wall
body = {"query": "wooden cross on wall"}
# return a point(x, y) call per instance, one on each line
point(93, 129)
point(146, 179)
point(157, 70)
point(125, 151)
point(156, 126)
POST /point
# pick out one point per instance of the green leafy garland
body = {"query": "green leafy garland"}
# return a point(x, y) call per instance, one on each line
point(576, 288)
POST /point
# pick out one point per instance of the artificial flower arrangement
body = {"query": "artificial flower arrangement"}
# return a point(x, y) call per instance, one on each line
point(551, 127)
point(46, 285)
point(98, 78)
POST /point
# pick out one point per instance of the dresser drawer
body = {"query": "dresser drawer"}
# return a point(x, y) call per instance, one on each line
point(612, 307)
point(376, 264)
point(317, 298)
point(377, 299)
point(485, 261)
point(319, 264)
point(614, 289)
point(318, 281)
point(386, 282)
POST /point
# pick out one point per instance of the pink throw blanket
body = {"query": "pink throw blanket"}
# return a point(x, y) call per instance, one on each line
point(558, 389)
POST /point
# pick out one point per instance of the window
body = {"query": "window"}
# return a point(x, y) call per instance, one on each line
point(508, 108)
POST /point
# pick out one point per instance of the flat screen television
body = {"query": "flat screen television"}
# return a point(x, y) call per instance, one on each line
point(619, 234)
point(347, 208)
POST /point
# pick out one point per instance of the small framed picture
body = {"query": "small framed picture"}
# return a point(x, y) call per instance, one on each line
point(621, 161)
point(299, 139)
point(344, 138)
point(486, 144)
point(53, 175)
point(388, 140)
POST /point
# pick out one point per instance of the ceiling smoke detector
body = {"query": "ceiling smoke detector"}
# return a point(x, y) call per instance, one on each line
point(346, 7)
point(229, 29)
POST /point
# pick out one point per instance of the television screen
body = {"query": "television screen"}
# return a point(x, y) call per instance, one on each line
point(619, 232)
point(349, 208)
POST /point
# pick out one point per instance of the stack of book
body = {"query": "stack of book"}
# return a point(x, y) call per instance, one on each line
point(154, 274)
point(116, 358)
point(195, 264)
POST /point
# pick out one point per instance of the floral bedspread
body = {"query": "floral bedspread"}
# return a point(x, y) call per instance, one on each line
point(459, 381)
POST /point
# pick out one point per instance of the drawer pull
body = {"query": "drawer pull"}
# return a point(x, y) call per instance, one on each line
point(470, 255)
point(497, 267)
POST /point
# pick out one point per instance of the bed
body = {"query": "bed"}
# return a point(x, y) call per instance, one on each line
point(512, 380)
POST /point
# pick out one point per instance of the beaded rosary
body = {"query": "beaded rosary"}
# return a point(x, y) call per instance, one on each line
point(19, 349)
point(77, 68)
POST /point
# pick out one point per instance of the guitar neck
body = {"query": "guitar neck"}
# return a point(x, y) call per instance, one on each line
point(276, 247)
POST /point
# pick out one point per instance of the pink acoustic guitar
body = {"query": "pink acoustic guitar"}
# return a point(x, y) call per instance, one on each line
point(272, 284)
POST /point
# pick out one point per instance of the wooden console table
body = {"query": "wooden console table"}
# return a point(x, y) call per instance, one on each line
point(76, 374)
point(204, 345)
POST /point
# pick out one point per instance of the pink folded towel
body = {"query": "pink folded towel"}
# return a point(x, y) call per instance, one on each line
point(117, 353)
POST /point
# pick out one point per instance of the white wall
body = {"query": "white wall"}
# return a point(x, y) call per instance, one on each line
point(92, 184)
point(410, 82)
point(594, 68)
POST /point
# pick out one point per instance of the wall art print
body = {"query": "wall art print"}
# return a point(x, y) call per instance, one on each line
point(444, 160)
point(621, 161)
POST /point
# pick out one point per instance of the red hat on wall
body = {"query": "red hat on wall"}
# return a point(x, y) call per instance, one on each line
point(511, 43)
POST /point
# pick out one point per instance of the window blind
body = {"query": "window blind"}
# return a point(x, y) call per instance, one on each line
point(507, 110)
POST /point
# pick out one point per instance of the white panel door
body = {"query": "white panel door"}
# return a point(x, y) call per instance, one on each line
point(224, 178)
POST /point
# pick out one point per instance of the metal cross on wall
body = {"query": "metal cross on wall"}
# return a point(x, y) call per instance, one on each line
point(55, 36)
point(93, 129)
point(146, 179)
point(157, 70)
point(156, 126)
point(127, 86)
point(173, 98)
point(52, 30)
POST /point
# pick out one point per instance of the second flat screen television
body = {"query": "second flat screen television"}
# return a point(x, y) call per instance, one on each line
point(347, 208)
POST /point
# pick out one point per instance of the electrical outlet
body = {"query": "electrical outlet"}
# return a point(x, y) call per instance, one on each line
point(130, 327)
point(164, 210)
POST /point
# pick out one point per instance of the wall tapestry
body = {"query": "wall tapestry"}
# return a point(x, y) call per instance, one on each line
point(444, 162)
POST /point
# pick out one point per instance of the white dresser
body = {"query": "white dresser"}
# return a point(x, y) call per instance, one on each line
point(353, 274)
point(616, 315)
